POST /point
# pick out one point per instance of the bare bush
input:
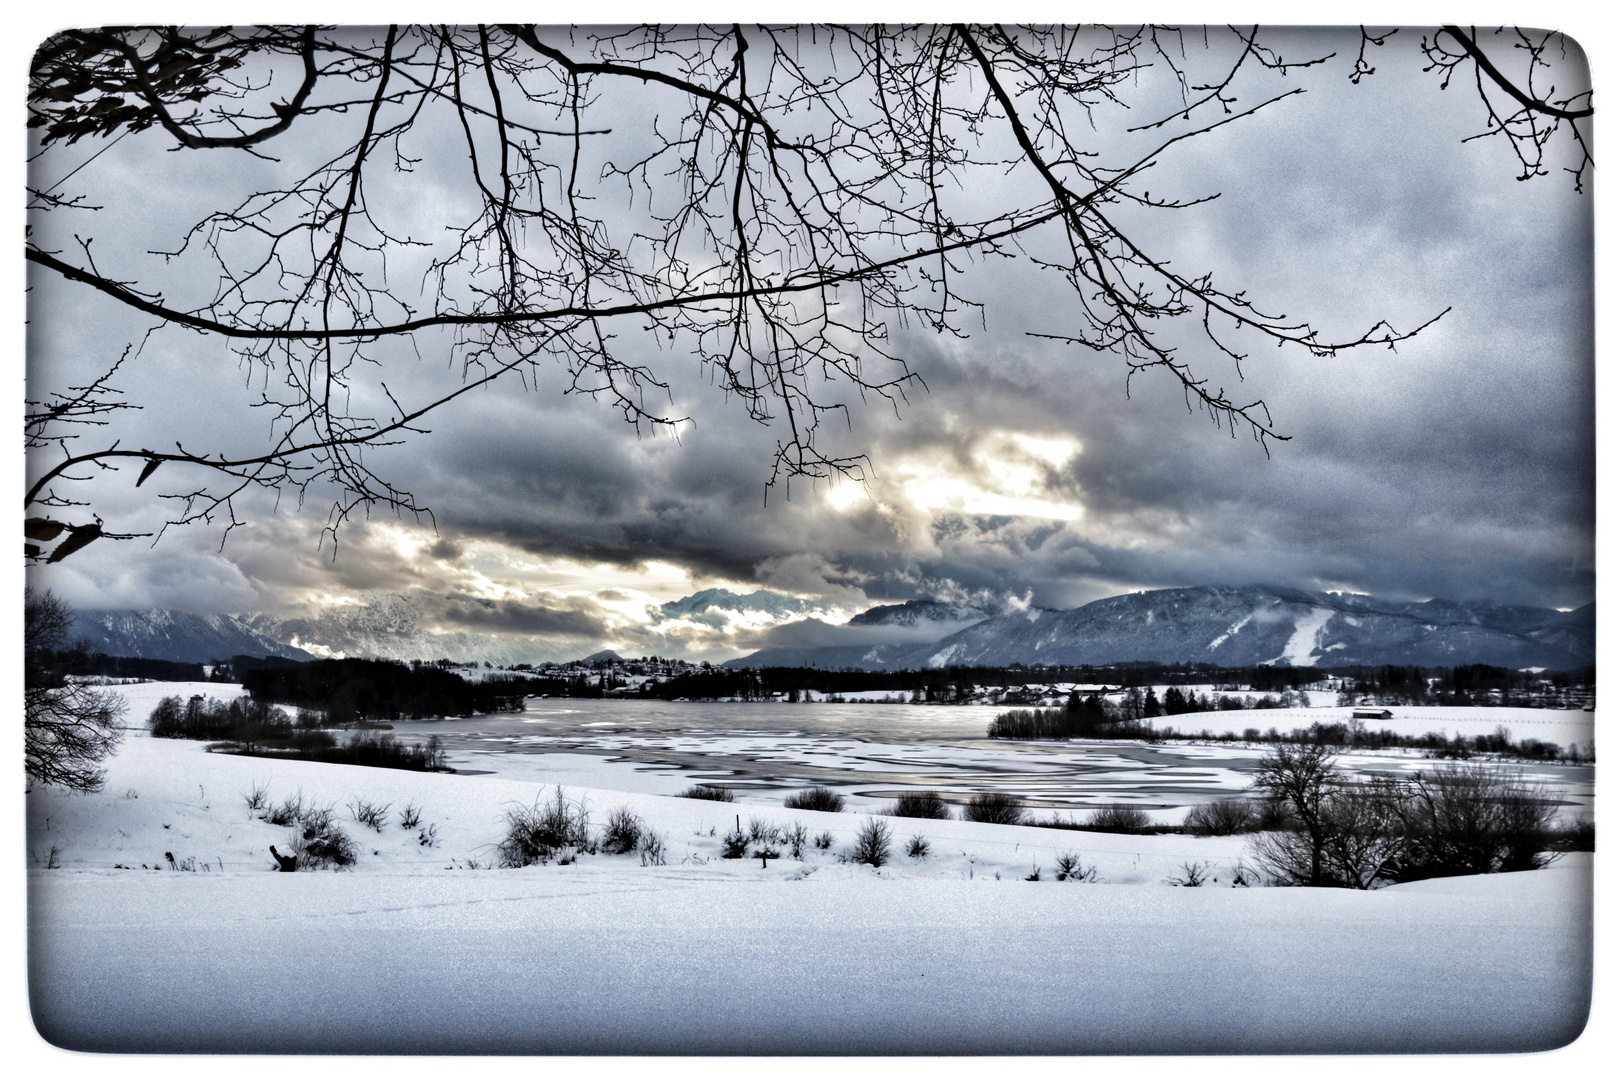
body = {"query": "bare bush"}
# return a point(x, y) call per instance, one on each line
point(818, 798)
point(762, 831)
point(1580, 836)
point(370, 814)
point(1472, 819)
point(1192, 876)
point(917, 846)
point(623, 831)
point(1119, 818)
point(317, 843)
point(993, 808)
point(734, 845)
point(1458, 819)
point(709, 792)
point(650, 846)
point(1223, 817)
point(256, 797)
point(1069, 868)
point(920, 804)
point(872, 843)
point(287, 811)
point(410, 817)
point(543, 831)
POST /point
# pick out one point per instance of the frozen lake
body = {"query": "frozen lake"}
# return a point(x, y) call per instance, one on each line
point(871, 753)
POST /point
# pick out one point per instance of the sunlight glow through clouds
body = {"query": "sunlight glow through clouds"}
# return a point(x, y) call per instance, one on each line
point(492, 570)
point(1010, 473)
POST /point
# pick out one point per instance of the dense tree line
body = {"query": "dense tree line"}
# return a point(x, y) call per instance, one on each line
point(138, 667)
point(256, 729)
point(1466, 684)
point(1094, 717)
point(356, 690)
point(1281, 687)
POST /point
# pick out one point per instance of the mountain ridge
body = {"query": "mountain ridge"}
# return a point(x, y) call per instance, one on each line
point(1240, 627)
point(1223, 625)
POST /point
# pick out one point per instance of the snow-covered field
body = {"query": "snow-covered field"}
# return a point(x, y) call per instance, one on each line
point(427, 949)
point(1560, 726)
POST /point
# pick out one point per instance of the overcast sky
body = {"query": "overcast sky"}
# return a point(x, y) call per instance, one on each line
point(1460, 465)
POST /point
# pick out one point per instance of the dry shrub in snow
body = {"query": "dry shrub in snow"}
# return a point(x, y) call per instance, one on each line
point(993, 808)
point(796, 838)
point(256, 797)
point(539, 833)
point(650, 846)
point(872, 843)
point(734, 845)
point(920, 804)
point(317, 843)
point(623, 831)
point(370, 814)
point(287, 811)
point(1069, 868)
point(1193, 875)
point(815, 798)
point(1477, 820)
point(762, 831)
point(708, 791)
point(1119, 818)
point(1223, 817)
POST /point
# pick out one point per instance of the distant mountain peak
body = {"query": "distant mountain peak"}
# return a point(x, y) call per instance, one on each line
point(913, 612)
point(762, 600)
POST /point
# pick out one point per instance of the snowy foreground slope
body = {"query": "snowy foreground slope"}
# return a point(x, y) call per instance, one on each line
point(415, 951)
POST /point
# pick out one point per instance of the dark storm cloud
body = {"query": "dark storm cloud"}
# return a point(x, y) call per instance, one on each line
point(445, 548)
point(576, 618)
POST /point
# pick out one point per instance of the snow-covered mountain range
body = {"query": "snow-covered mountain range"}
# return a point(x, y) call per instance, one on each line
point(384, 625)
point(1233, 627)
point(1239, 627)
point(709, 606)
point(160, 634)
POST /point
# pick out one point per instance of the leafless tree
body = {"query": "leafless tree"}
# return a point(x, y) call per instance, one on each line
point(1367, 832)
point(1302, 779)
point(768, 201)
point(1473, 819)
point(68, 726)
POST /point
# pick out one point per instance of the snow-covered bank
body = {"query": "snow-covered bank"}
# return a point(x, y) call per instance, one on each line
point(1560, 726)
point(417, 951)
point(575, 960)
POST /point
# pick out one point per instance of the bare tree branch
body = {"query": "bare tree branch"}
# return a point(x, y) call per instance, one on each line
point(790, 195)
